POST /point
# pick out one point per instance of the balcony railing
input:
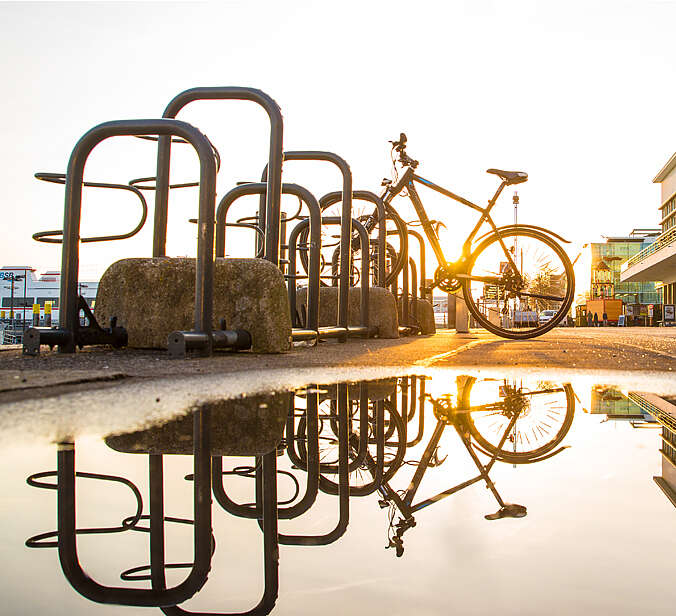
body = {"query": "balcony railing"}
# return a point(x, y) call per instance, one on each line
point(666, 239)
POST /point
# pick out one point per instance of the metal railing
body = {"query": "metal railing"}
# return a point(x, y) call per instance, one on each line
point(666, 239)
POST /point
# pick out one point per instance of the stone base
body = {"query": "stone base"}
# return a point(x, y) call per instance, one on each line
point(425, 315)
point(243, 427)
point(156, 296)
point(382, 309)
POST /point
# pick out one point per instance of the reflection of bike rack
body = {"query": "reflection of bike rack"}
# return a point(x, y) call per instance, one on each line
point(67, 531)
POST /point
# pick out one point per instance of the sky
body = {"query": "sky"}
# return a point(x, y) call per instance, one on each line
point(578, 94)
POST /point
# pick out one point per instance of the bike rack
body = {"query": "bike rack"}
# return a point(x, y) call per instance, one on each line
point(267, 495)
point(70, 334)
point(253, 512)
point(363, 328)
point(270, 215)
point(345, 226)
point(364, 195)
point(311, 330)
point(423, 272)
point(67, 533)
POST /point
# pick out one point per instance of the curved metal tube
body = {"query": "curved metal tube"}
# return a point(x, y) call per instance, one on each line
point(270, 548)
point(271, 221)
point(423, 271)
point(68, 301)
point(332, 198)
point(60, 178)
point(67, 538)
point(345, 227)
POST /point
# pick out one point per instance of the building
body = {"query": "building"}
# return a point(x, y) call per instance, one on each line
point(664, 412)
point(657, 262)
point(21, 289)
point(607, 260)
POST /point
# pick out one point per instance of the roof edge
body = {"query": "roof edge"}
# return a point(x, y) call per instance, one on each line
point(664, 171)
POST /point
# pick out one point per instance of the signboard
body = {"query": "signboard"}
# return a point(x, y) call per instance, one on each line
point(651, 309)
point(669, 312)
point(6, 275)
point(490, 292)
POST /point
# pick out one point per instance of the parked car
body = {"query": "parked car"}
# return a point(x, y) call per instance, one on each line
point(546, 315)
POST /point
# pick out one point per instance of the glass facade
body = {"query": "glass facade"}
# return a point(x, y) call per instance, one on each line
point(606, 262)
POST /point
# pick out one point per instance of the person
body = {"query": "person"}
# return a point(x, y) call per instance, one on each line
point(605, 319)
point(596, 319)
point(589, 319)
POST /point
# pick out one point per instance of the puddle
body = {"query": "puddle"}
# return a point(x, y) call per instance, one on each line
point(476, 492)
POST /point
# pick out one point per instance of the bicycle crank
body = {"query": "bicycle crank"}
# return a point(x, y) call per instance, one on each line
point(444, 279)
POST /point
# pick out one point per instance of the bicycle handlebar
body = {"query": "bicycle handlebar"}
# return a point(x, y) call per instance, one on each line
point(400, 146)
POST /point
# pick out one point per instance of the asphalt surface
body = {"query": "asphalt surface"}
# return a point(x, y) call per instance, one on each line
point(650, 350)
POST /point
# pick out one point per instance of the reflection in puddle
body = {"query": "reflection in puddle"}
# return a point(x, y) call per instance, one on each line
point(361, 464)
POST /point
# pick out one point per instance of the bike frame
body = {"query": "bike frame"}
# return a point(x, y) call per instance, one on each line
point(407, 182)
point(405, 503)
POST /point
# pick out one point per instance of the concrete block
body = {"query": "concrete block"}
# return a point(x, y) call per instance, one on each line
point(155, 296)
point(382, 309)
point(242, 427)
point(425, 315)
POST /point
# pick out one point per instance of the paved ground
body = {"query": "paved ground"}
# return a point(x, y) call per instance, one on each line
point(632, 349)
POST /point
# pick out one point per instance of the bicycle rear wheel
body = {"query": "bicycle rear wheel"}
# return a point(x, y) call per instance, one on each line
point(524, 303)
point(544, 413)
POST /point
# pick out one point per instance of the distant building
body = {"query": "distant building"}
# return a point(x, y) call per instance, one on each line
point(664, 412)
point(657, 262)
point(606, 263)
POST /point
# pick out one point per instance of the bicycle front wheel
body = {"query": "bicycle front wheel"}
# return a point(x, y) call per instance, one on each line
point(524, 303)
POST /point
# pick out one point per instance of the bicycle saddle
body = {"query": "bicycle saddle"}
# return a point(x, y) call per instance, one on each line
point(510, 510)
point(511, 177)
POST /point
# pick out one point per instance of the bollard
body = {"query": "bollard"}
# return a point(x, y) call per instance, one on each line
point(36, 315)
point(450, 311)
point(461, 316)
point(48, 314)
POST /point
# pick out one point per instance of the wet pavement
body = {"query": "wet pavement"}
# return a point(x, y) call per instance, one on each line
point(482, 491)
point(450, 473)
point(651, 350)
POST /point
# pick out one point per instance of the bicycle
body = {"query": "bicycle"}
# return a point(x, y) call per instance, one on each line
point(508, 276)
point(517, 404)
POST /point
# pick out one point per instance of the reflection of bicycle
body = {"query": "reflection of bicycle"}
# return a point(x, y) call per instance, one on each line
point(508, 276)
point(523, 427)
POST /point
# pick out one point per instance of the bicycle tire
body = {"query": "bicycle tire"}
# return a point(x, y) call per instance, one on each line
point(534, 454)
point(561, 309)
point(399, 231)
point(391, 465)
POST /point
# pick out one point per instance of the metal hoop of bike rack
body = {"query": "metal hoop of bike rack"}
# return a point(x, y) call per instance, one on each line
point(313, 290)
point(364, 195)
point(270, 218)
point(154, 597)
point(310, 331)
point(253, 512)
point(68, 335)
point(345, 226)
point(267, 516)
